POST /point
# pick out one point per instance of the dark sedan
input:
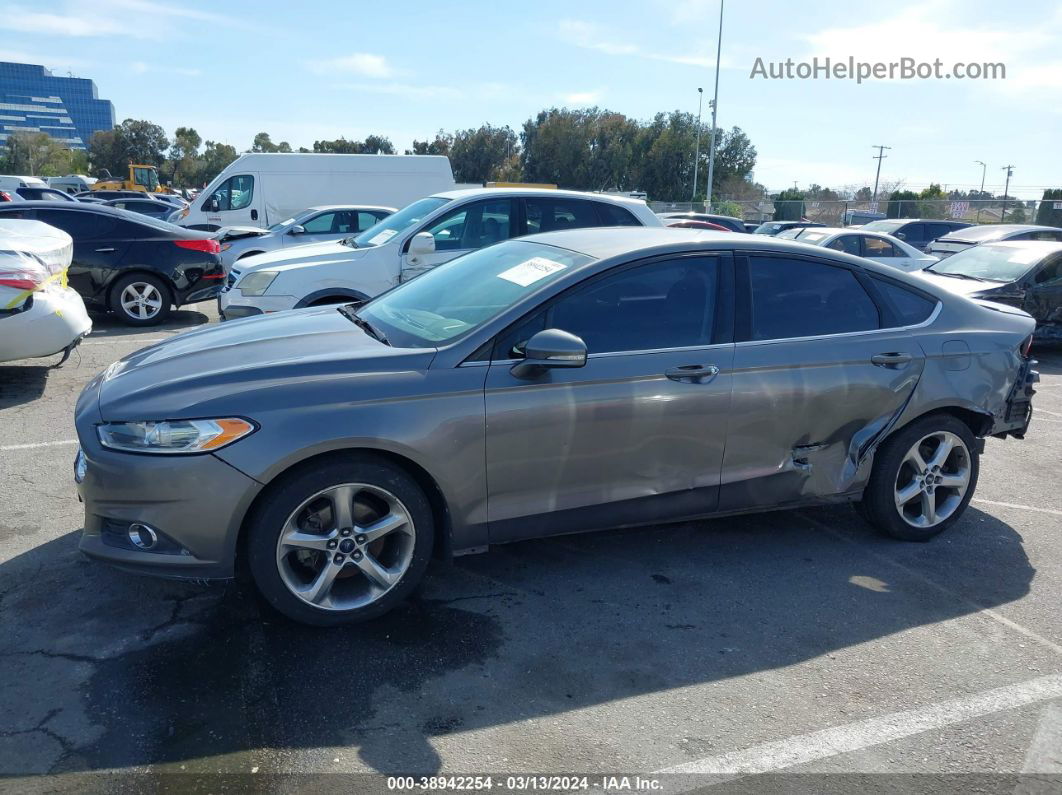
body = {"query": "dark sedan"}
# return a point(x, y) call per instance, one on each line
point(135, 266)
point(150, 207)
point(774, 227)
point(726, 221)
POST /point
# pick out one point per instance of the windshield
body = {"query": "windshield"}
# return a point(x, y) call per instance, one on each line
point(995, 263)
point(466, 292)
point(767, 229)
point(380, 233)
point(282, 225)
point(888, 227)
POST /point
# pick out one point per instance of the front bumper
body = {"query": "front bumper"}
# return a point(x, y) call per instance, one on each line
point(198, 502)
point(232, 304)
point(200, 293)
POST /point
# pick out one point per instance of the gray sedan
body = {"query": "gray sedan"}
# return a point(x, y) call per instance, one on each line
point(314, 225)
point(563, 382)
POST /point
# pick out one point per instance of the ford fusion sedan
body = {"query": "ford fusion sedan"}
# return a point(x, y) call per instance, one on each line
point(315, 225)
point(872, 245)
point(567, 381)
point(1026, 274)
point(418, 237)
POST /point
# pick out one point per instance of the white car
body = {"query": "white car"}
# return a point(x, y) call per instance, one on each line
point(871, 245)
point(39, 315)
point(315, 225)
point(424, 234)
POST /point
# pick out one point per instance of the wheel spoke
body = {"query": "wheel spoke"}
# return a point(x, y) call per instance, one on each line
point(958, 480)
point(322, 583)
point(942, 452)
point(342, 498)
point(142, 311)
point(914, 458)
point(929, 508)
point(389, 524)
point(907, 493)
point(297, 539)
point(383, 578)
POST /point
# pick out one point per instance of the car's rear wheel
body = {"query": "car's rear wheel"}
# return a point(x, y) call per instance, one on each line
point(341, 541)
point(923, 479)
point(141, 299)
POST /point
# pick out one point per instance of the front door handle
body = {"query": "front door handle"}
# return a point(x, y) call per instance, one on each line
point(104, 250)
point(894, 359)
point(254, 215)
point(693, 373)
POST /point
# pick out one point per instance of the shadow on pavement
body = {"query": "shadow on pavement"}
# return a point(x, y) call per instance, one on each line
point(23, 384)
point(106, 325)
point(107, 670)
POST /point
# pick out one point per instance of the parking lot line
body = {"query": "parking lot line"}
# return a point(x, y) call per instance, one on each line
point(138, 340)
point(803, 748)
point(35, 445)
point(1051, 511)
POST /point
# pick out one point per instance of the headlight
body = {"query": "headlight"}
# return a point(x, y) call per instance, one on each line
point(256, 283)
point(173, 436)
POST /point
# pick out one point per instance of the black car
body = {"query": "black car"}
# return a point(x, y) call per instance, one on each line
point(917, 232)
point(774, 227)
point(731, 223)
point(134, 265)
point(107, 195)
point(151, 207)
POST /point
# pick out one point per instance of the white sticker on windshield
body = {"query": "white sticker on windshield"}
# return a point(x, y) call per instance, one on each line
point(383, 237)
point(531, 271)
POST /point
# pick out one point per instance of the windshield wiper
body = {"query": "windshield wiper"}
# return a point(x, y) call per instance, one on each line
point(959, 275)
point(348, 312)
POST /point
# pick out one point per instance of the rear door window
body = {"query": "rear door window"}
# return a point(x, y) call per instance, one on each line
point(849, 244)
point(79, 225)
point(551, 214)
point(473, 225)
point(806, 298)
point(876, 247)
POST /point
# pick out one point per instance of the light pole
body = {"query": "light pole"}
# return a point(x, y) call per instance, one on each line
point(1010, 173)
point(715, 107)
point(981, 195)
point(879, 157)
point(697, 150)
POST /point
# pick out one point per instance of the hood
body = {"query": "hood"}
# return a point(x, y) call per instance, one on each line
point(301, 256)
point(968, 287)
point(237, 232)
point(232, 368)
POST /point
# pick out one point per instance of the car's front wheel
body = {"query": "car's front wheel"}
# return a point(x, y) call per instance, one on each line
point(340, 541)
point(923, 478)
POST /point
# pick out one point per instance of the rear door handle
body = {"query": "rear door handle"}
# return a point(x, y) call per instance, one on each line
point(693, 373)
point(894, 359)
point(102, 250)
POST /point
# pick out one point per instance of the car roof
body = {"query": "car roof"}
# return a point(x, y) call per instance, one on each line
point(538, 192)
point(991, 231)
point(921, 221)
point(1044, 246)
point(321, 207)
point(70, 207)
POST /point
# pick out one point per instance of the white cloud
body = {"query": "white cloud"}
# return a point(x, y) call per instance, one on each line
point(139, 68)
point(358, 63)
point(589, 36)
point(137, 19)
point(22, 20)
point(582, 98)
point(58, 62)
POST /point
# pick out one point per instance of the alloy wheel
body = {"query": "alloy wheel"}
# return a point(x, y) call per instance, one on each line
point(346, 546)
point(933, 479)
point(141, 300)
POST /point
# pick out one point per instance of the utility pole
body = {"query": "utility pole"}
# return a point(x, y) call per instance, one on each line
point(715, 108)
point(879, 157)
point(981, 196)
point(1010, 173)
point(697, 151)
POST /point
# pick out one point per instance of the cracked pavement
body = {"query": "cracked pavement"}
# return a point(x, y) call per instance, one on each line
point(627, 651)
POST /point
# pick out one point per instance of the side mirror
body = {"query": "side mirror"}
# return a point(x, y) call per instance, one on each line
point(422, 243)
point(901, 235)
point(213, 206)
point(298, 229)
point(550, 348)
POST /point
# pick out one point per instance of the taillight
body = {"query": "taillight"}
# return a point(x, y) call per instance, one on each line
point(5, 196)
point(209, 246)
point(1026, 346)
point(21, 278)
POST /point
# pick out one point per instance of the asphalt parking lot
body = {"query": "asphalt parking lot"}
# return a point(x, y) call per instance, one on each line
point(784, 643)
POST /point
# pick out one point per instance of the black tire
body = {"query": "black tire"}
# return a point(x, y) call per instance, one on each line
point(879, 505)
point(292, 491)
point(129, 318)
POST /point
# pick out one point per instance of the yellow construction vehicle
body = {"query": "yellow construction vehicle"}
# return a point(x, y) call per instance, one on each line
point(141, 177)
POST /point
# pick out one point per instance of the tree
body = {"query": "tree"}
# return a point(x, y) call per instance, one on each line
point(864, 194)
point(37, 154)
point(788, 205)
point(735, 157)
point(263, 143)
point(476, 154)
point(185, 162)
point(440, 146)
point(215, 157)
point(373, 144)
point(132, 141)
point(902, 204)
point(933, 202)
point(1046, 214)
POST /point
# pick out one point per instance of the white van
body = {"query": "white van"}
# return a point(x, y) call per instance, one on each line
point(261, 189)
point(426, 233)
point(71, 183)
point(15, 182)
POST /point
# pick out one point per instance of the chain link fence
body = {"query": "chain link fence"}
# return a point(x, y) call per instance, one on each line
point(854, 212)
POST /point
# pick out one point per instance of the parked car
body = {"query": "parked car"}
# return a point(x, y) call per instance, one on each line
point(315, 225)
point(727, 222)
point(43, 194)
point(107, 195)
point(774, 227)
point(686, 223)
point(71, 183)
point(856, 217)
point(962, 239)
point(39, 314)
point(11, 183)
point(751, 227)
point(150, 207)
point(872, 245)
point(1026, 274)
point(418, 237)
point(917, 232)
point(10, 197)
point(589, 373)
point(135, 266)
point(260, 189)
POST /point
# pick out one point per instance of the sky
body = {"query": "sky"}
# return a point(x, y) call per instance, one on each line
point(331, 68)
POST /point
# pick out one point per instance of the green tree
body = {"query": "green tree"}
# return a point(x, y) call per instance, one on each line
point(132, 141)
point(185, 162)
point(36, 154)
point(440, 146)
point(1046, 214)
point(263, 143)
point(735, 158)
point(902, 204)
point(788, 205)
point(933, 202)
point(216, 156)
point(476, 154)
point(373, 144)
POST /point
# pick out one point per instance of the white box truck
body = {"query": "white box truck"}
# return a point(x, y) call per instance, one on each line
point(261, 189)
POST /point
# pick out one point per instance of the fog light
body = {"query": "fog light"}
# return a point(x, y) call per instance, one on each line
point(142, 536)
point(80, 466)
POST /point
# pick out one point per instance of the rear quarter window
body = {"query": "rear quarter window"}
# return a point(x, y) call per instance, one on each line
point(908, 308)
point(611, 215)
